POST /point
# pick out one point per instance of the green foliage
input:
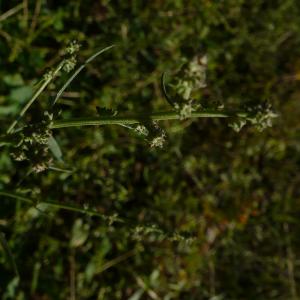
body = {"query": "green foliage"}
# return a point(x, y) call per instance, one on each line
point(211, 215)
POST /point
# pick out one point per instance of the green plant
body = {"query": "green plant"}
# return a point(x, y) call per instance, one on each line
point(35, 142)
point(31, 142)
point(234, 196)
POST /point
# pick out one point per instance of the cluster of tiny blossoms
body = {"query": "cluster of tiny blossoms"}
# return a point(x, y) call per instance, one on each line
point(70, 61)
point(32, 145)
point(261, 117)
point(191, 78)
point(185, 109)
point(154, 134)
point(33, 140)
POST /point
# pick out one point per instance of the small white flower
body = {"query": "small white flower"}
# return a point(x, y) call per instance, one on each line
point(158, 141)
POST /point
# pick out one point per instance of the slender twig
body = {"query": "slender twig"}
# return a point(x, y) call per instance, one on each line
point(11, 12)
point(138, 118)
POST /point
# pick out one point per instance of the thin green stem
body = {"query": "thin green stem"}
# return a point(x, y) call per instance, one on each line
point(34, 97)
point(131, 224)
point(138, 118)
point(56, 204)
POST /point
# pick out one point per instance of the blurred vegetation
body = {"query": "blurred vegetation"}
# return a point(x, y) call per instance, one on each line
point(236, 194)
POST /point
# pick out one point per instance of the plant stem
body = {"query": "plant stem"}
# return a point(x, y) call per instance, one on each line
point(139, 118)
point(130, 223)
point(34, 97)
point(55, 204)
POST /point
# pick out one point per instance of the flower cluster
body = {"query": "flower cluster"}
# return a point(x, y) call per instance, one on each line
point(185, 109)
point(32, 145)
point(69, 64)
point(142, 130)
point(70, 60)
point(152, 133)
point(261, 117)
point(238, 124)
point(192, 77)
point(73, 47)
point(157, 136)
point(158, 141)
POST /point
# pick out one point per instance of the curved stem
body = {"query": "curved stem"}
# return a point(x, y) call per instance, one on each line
point(138, 118)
